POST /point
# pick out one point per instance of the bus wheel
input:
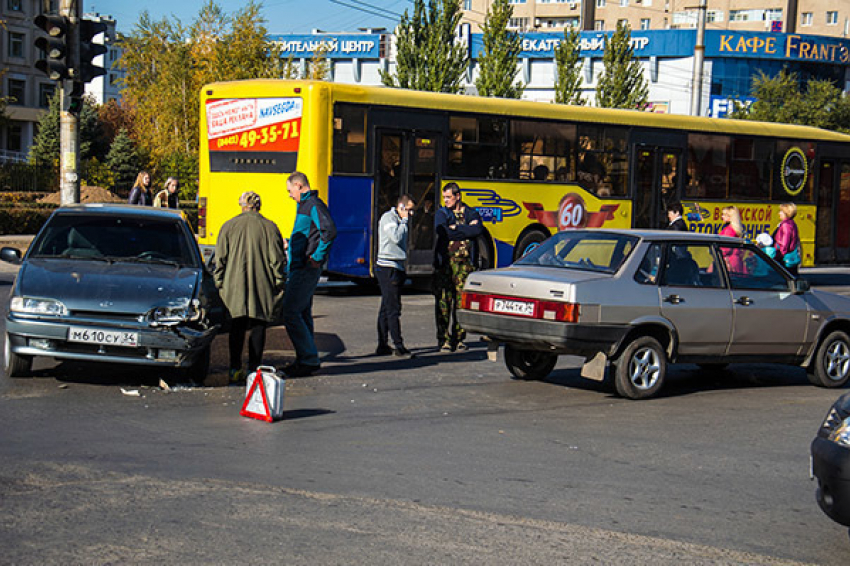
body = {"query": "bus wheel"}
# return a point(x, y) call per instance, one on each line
point(528, 242)
point(486, 253)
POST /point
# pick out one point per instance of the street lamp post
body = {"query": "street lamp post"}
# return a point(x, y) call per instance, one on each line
point(699, 57)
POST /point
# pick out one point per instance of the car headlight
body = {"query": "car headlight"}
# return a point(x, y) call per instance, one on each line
point(836, 427)
point(175, 313)
point(33, 305)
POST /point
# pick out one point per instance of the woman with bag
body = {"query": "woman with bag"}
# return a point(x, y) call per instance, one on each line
point(786, 238)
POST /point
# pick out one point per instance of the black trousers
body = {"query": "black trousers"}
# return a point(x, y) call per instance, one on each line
point(256, 341)
point(389, 317)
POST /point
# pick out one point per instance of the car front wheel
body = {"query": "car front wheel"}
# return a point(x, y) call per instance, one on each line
point(529, 364)
point(641, 369)
point(14, 364)
point(832, 362)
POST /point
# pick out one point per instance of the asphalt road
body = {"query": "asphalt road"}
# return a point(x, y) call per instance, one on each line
point(438, 460)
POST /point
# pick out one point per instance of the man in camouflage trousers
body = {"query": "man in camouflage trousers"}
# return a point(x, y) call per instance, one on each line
point(456, 229)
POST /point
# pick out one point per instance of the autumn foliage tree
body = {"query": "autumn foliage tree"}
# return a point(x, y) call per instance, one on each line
point(167, 63)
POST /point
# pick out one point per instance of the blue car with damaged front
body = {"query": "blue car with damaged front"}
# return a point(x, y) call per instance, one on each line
point(116, 284)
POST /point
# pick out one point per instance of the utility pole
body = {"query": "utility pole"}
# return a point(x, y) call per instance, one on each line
point(699, 58)
point(69, 126)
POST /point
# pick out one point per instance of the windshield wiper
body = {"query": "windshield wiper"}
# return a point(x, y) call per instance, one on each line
point(76, 256)
point(154, 260)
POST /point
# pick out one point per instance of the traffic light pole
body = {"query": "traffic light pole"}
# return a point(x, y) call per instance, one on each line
point(69, 131)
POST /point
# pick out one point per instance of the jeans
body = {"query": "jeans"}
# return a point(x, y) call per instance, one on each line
point(391, 280)
point(256, 341)
point(298, 313)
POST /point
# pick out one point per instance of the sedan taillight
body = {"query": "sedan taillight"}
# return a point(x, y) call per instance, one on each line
point(520, 306)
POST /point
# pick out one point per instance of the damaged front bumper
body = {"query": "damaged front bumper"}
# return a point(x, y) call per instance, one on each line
point(174, 346)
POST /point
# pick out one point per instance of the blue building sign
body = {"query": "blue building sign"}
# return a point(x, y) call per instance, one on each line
point(785, 46)
point(340, 46)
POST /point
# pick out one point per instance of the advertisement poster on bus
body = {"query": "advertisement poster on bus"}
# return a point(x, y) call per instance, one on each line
point(254, 124)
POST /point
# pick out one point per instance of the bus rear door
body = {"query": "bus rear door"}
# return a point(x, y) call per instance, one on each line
point(407, 162)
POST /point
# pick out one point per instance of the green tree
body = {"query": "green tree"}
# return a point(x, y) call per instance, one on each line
point(498, 60)
point(781, 99)
point(622, 84)
point(124, 161)
point(568, 68)
point(46, 145)
point(427, 56)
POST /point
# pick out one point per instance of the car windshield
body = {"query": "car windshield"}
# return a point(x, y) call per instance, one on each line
point(585, 250)
point(115, 238)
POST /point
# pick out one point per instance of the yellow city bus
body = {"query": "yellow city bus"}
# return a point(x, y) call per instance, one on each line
point(529, 168)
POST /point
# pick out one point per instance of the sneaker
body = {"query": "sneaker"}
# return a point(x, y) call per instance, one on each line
point(445, 347)
point(383, 350)
point(301, 370)
point(461, 347)
point(402, 352)
point(238, 376)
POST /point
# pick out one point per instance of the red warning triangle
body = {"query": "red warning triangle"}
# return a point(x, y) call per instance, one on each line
point(246, 412)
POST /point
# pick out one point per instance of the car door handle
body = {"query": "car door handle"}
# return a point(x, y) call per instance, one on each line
point(675, 299)
point(746, 301)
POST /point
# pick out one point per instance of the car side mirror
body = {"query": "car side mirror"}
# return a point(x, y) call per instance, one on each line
point(799, 286)
point(11, 255)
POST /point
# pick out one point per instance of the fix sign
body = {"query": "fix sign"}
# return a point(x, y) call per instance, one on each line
point(254, 124)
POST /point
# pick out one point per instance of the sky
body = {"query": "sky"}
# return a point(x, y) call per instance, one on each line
point(282, 16)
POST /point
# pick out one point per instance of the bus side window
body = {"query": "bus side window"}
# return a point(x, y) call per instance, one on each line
point(349, 139)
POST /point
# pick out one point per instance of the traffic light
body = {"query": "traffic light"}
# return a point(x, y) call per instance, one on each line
point(75, 98)
point(54, 46)
point(90, 50)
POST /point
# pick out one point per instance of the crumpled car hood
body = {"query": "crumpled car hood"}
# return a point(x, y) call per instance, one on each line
point(124, 288)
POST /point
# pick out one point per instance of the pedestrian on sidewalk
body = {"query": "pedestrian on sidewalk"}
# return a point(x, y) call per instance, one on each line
point(312, 236)
point(167, 197)
point(393, 234)
point(141, 192)
point(250, 271)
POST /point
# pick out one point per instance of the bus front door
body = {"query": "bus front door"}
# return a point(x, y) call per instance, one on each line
point(832, 235)
point(408, 163)
point(655, 185)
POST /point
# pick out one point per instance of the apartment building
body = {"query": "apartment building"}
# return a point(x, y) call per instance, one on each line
point(815, 17)
point(27, 90)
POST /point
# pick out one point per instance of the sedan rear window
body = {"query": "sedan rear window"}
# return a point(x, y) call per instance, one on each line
point(584, 250)
point(114, 238)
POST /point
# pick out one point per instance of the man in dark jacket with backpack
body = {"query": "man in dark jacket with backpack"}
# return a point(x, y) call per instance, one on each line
point(456, 228)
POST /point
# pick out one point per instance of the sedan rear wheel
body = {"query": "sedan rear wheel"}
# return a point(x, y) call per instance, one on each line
point(832, 361)
point(529, 364)
point(15, 364)
point(641, 369)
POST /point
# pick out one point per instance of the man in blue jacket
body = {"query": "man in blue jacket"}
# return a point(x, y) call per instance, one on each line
point(312, 235)
point(456, 227)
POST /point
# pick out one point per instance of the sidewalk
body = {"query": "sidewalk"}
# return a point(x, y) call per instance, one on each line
point(20, 241)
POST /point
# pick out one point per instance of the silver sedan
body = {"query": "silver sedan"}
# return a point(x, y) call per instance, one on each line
point(635, 301)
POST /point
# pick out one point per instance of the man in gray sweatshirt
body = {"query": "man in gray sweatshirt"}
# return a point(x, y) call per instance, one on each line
point(389, 269)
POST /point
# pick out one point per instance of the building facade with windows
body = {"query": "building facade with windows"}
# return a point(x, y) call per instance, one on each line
point(815, 17)
point(26, 89)
point(732, 59)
